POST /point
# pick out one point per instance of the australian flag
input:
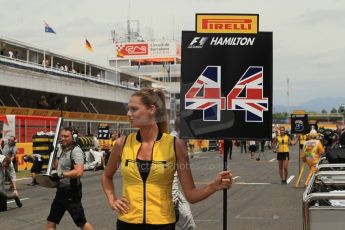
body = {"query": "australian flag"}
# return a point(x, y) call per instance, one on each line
point(48, 29)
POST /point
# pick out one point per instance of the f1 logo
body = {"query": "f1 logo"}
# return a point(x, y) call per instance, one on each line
point(198, 42)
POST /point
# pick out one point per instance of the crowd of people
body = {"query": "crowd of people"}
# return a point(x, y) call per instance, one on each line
point(9, 53)
point(152, 150)
point(151, 162)
point(311, 146)
point(45, 62)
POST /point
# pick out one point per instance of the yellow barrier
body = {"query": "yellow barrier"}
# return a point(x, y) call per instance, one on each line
point(104, 144)
point(204, 144)
point(199, 145)
point(23, 149)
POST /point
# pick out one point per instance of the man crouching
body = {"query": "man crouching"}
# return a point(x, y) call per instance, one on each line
point(7, 166)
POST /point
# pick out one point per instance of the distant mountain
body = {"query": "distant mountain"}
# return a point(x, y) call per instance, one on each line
point(315, 105)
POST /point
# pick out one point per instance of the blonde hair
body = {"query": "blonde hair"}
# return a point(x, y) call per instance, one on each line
point(154, 96)
point(313, 133)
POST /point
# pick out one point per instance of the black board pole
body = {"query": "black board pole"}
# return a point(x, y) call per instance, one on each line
point(225, 191)
point(299, 156)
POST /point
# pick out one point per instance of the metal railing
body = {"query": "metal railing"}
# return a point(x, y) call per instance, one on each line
point(55, 71)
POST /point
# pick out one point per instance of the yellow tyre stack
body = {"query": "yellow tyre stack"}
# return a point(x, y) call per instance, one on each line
point(40, 145)
point(85, 143)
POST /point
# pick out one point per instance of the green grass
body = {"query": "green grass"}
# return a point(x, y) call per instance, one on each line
point(23, 174)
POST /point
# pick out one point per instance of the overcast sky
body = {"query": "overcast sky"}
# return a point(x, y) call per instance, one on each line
point(308, 36)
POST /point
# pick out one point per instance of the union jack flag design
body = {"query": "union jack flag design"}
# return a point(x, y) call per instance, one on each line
point(248, 95)
point(205, 94)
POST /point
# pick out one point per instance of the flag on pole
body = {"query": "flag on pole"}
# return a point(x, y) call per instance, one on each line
point(120, 54)
point(88, 45)
point(168, 72)
point(48, 29)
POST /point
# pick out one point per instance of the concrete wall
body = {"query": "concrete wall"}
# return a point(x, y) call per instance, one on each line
point(27, 79)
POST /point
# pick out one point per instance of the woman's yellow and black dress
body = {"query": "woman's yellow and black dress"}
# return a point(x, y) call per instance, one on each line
point(283, 148)
point(148, 184)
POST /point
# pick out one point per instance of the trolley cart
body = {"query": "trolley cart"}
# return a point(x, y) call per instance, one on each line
point(336, 178)
point(324, 201)
point(330, 167)
point(317, 217)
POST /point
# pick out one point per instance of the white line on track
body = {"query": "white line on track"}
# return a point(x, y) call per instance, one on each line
point(12, 201)
point(236, 177)
point(25, 178)
point(252, 183)
point(290, 179)
point(275, 217)
point(273, 159)
point(206, 220)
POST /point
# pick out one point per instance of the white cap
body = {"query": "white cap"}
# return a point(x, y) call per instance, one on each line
point(313, 133)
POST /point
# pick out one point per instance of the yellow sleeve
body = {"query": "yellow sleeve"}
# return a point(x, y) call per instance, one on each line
point(320, 148)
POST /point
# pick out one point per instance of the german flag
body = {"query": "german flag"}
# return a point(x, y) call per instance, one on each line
point(88, 45)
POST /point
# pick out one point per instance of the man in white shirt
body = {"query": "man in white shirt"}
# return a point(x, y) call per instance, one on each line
point(184, 216)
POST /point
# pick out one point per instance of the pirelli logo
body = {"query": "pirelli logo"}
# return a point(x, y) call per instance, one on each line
point(233, 24)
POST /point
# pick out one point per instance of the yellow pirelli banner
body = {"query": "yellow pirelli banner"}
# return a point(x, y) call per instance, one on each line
point(66, 114)
point(227, 23)
point(23, 149)
point(301, 112)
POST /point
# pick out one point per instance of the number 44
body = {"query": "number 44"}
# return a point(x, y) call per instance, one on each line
point(246, 95)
